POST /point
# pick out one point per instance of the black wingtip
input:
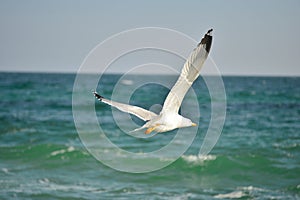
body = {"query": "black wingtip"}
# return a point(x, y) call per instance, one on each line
point(99, 97)
point(209, 31)
point(207, 40)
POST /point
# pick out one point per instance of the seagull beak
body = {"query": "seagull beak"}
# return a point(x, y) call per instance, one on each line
point(193, 124)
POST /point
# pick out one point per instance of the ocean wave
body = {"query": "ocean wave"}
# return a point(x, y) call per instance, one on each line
point(209, 164)
point(252, 192)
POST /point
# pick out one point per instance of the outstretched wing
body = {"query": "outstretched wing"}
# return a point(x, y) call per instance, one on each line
point(134, 110)
point(189, 74)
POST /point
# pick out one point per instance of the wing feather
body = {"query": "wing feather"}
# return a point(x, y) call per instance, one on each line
point(189, 74)
point(134, 110)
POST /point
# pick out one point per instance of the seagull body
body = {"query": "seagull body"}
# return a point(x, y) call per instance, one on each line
point(169, 119)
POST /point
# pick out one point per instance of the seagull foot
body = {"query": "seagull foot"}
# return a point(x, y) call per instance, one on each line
point(149, 130)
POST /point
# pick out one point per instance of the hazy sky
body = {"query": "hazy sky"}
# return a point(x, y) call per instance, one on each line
point(257, 37)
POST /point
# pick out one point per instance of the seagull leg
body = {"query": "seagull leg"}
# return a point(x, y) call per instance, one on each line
point(149, 130)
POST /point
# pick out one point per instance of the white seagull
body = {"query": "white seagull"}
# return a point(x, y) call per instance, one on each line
point(169, 119)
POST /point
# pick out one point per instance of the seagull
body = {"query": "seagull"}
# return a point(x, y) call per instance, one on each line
point(169, 118)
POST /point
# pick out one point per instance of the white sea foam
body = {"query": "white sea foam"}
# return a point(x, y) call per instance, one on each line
point(240, 192)
point(198, 159)
point(166, 159)
point(62, 151)
point(231, 195)
point(46, 185)
point(5, 170)
point(43, 181)
point(127, 82)
point(250, 188)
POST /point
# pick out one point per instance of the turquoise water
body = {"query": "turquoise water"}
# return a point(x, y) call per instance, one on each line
point(256, 157)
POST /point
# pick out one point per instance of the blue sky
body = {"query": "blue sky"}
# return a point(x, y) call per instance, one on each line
point(257, 37)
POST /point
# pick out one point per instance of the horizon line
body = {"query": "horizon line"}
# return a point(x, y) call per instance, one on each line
point(150, 74)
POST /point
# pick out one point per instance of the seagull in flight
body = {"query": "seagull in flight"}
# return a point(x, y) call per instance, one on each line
point(169, 118)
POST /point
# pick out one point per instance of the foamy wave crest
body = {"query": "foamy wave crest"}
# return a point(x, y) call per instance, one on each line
point(231, 195)
point(198, 159)
point(248, 191)
point(62, 151)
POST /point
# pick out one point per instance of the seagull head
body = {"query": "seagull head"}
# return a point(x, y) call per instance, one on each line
point(187, 123)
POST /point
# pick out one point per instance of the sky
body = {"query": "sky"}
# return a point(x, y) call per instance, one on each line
point(257, 37)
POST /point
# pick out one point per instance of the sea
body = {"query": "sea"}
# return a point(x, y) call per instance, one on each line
point(43, 154)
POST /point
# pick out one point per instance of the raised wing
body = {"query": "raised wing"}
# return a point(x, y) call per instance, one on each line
point(134, 110)
point(189, 74)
